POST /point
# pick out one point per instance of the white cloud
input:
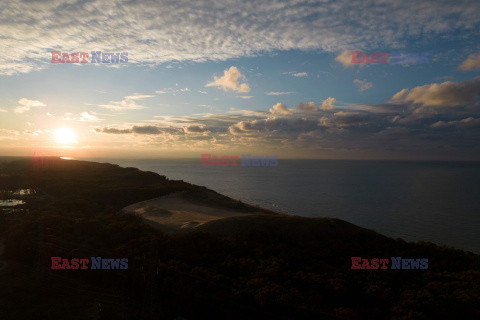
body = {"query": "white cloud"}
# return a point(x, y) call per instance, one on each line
point(345, 58)
point(85, 116)
point(172, 91)
point(280, 108)
point(327, 104)
point(138, 96)
point(300, 74)
point(230, 81)
point(278, 93)
point(296, 74)
point(363, 84)
point(128, 103)
point(245, 97)
point(26, 104)
point(446, 94)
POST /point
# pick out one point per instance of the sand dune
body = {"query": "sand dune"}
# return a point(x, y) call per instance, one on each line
point(189, 210)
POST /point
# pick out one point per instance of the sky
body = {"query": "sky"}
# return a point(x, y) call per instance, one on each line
point(241, 77)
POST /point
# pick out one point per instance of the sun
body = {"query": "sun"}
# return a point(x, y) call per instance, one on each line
point(65, 136)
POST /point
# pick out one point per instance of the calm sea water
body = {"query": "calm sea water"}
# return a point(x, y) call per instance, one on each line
point(430, 201)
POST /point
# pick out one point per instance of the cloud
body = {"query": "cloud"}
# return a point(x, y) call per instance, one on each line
point(245, 97)
point(138, 129)
point(146, 130)
point(25, 105)
point(113, 130)
point(472, 63)
point(33, 133)
point(3, 110)
point(216, 31)
point(273, 125)
point(440, 94)
point(296, 74)
point(173, 91)
point(327, 104)
point(363, 84)
point(345, 58)
point(278, 93)
point(8, 132)
point(85, 116)
point(358, 129)
point(230, 81)
point(128, 103)
point(344, 119)
point(465, 123)
point(280, 108)
point(396, 132)
point(309, 106)
point(300, 74)
point(195, 129)
point(138, 96)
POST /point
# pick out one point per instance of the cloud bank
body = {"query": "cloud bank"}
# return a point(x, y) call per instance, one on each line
point(154, 32)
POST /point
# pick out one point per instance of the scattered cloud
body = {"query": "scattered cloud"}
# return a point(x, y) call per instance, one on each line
point(309, 106)
point(472, 63)
point(230, 81)
point(128, 103)
point(363, 84)
point(85, 116)
point(464, 123)
point(26, 104)
point(345, 58)
point(140, 130)
point(172, 91)
point(138, 96)
point(296, 74)
point(245, 97)
point(280, 109)
point(278, 93)
point(195, 129)
point(327, 104)
point(193, 33)
point(441, 94)
point(300, 74)
point(392, 126)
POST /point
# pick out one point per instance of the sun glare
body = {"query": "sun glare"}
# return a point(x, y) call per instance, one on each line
point(65, 136)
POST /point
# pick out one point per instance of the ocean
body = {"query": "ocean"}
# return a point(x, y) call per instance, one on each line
point(417, 201)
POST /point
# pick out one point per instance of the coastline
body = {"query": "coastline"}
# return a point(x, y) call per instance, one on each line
point(241, 261)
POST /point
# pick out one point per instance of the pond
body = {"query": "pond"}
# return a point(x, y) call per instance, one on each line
point(23, 192)
point(11, 202)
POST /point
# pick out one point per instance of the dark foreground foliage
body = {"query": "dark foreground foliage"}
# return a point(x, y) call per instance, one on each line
point(203, 275)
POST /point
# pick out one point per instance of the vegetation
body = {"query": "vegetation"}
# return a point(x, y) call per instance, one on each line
point(260, 266)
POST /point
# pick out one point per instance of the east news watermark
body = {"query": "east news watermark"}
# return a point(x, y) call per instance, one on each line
point(395, 57)
point(94, 263)
point(394, 263)
point(95, 57)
